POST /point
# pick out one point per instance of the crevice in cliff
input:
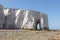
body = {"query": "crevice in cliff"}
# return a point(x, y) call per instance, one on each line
point(5, 23)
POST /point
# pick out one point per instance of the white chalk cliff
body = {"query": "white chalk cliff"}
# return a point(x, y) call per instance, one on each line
point(22, 19)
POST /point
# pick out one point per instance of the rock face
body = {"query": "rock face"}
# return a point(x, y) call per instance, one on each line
point(30, 19)
point(23, 19)
point(44, 21)
point(19, 18)
point(1, 16)
point(9, 18)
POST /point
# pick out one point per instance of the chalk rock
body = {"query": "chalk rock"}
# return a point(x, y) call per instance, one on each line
point(44, 21)
point(22, 19)
point(25, 19)
point(1, 16)
point(10, 18)
point(19, 18)
point(30, 19)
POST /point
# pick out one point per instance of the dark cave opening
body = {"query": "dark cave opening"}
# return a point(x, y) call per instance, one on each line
point(38, 26)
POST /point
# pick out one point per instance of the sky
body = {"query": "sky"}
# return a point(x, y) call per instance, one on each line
point(49, 7)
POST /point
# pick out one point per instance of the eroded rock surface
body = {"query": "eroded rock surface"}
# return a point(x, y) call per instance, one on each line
point(22, 19)
point(2, 19)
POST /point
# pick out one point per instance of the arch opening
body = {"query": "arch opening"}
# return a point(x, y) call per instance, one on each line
point(38, 26)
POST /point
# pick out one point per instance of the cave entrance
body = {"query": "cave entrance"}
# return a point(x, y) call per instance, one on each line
point(38, 26)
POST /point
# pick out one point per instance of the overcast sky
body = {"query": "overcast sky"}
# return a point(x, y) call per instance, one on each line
point(49, 7)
